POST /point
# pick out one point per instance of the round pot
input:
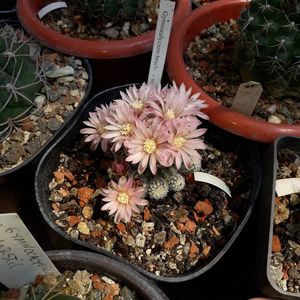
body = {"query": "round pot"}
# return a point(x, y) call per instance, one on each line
point(28, 166)
point(200, 19)
point(50, 160)
point(27, 14)
point(81, 260)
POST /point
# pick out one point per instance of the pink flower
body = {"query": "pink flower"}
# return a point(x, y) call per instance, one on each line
point(138, 98)
point(148, 145)
point(121, 123)
point(177, 102)
point(96, 123)
point(122, 199)
point(184, 138)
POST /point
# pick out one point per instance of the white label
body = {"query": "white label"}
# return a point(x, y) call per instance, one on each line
point(247, 97)
point(287, 186)
point(21, 257)
point(161, 40)
point(48, 8)
point(211, 179)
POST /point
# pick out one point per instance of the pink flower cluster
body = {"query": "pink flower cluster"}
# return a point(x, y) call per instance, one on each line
point(155, 127)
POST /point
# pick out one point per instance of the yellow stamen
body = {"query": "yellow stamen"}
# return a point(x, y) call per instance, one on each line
point(137, 104)
point(178, 141)
point(126, 129)
point(123, 198)
point(100, 129)
point(149, 146)
point(170, 114)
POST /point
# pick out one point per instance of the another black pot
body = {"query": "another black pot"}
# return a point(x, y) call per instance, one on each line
point(50, 161)
point(28, 167)
point(266, 217)
point(92, 262)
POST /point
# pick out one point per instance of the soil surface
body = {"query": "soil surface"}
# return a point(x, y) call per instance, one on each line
point(170, 236)
point(66, 81)
point(80, 284)
point(285, 260)
point(75, 23)
point(211, 62)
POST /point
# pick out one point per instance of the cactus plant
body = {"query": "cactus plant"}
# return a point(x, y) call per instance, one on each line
point(20, 79)
point(158, 188)
point(110, 8)
point(267, 50)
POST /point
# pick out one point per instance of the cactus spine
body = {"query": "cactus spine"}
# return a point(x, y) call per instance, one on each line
point(20, 79)
point(268, 49)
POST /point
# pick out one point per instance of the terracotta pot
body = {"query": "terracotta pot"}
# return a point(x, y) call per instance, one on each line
point(200, 19)
point(27, 14)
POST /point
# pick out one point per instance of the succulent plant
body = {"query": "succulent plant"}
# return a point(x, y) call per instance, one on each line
point(110, 8)
point(158, 188)
point(268, 49)
point(175, 180)
point(20, 79)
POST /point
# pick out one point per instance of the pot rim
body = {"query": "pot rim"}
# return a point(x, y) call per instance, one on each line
point(110, 267)
point(220, 115)
point(27, 14)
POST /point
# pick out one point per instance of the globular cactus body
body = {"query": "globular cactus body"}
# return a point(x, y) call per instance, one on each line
point(268, 49)
point(158, 188)
point(19, 80)
point(110, 8)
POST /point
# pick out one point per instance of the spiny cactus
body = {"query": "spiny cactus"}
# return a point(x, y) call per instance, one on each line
point(175, 180)
point(158, 188)
point(168, 180)
point(110, 8)
point(268, 50)
point(20, 79)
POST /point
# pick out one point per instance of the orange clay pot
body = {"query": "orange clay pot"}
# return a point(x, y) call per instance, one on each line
point(234, 122)
point(27, 14)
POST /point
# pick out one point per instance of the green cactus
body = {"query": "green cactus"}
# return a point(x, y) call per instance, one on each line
point(268, 49)
point(20, 79)
point(110, 8)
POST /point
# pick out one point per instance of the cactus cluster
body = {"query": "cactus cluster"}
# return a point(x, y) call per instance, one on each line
point(20, 79)
point(169, 180)
point(127, 9)
point(268, 49)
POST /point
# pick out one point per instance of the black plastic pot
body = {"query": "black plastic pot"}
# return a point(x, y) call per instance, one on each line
point(8, 10)
point(81, 260)
point(266, 217)
point(50, 161)
point(28, 167)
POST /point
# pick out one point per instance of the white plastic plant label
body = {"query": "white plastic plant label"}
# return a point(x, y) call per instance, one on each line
point(287, 186)
point(211, 179)
point(52, 6)
point(247, 97)
point(21, 257)
point(161, 40)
